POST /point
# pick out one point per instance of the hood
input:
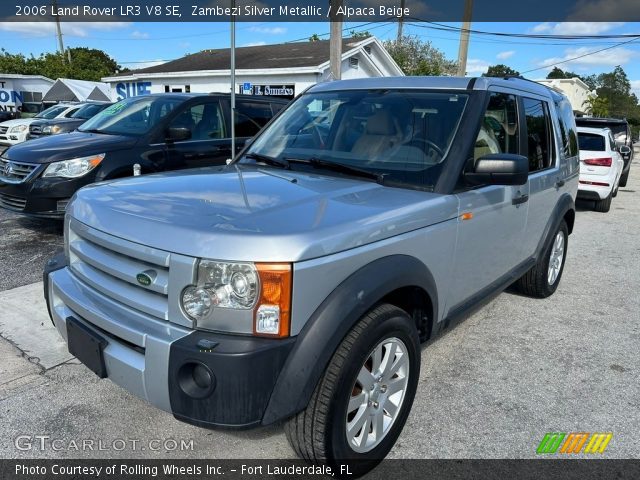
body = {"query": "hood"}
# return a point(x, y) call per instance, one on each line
point(252, 214)
point(55, 148)
point(60, 121)
point(19, 121)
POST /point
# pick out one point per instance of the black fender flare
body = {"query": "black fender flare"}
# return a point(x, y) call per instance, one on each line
point(332, 320)
point(564, 205)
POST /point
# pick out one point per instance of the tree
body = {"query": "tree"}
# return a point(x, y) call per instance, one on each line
point(596, 106)
point(418, 57)
point(559, 73)
point(314, 38)
point(501, 70)
point(364, 34)
point(86, 64)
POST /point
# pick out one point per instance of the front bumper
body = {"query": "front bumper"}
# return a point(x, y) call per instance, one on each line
point(155, 360)
point(41, 197)
point(8, 139)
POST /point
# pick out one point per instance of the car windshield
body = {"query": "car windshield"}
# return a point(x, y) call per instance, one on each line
point(51, 112)
point(400, 136)
point(591, 141)
point(89, 110)
point(133, 116)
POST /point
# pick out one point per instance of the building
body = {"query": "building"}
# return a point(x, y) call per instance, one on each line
point(69, 90)
point(25, 91)
point(575, 89)
point(283, 70)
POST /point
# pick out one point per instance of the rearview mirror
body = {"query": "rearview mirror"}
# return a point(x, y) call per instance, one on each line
point(624, 150)
point(499, 169)
point(176, 134)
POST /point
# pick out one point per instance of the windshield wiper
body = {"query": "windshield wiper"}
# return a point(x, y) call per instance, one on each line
point(278, 162)
point(339, 167)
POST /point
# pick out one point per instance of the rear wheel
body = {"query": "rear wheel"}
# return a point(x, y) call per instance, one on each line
point(604, 205)
point(543, 278)
point(361, 404)
point(624, 178)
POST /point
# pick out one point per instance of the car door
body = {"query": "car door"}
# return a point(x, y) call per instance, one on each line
point(208, 142)
point(492, 218)
point(545, 177)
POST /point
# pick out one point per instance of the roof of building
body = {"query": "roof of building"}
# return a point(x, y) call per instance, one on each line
point(281, 55)
point(19, 75)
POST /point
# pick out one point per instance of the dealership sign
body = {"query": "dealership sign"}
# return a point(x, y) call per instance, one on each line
point(287, 91)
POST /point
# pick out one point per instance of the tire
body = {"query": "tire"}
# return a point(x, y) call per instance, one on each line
point(538, 281)
point(624, 178)
point(604, 205)
point(319, 434)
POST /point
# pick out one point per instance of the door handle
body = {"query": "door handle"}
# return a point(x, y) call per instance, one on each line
point(560, 183)
point(520, 199)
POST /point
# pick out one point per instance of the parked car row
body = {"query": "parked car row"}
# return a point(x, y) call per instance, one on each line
point(13, 132)
point(155, 133)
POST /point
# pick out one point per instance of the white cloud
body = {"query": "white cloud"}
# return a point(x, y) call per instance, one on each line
point(505, 55)
point(254, 44)
point(137, 34)
point(608, 58)
point(575, 28)
point(143, 64)
point(476, 66)
point(71, 29)
point(268, 30)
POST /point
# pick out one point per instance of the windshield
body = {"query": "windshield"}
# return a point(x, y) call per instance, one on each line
point(133, 116)
point(52, 112)
point(89, 110)
point(403, 136)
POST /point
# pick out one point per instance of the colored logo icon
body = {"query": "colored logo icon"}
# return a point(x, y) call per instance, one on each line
point(574, 442)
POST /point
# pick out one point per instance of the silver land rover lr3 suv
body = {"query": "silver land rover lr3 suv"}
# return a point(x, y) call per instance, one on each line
point(297, 282)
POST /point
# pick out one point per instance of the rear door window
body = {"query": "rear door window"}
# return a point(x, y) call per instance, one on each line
point(539, 134)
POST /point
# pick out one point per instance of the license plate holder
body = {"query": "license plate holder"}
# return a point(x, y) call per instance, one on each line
point(87, 346)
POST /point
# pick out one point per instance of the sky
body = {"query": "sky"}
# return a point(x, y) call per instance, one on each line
point(136, 45)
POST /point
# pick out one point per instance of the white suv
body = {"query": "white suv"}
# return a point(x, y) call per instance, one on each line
point(601, 166)
point(17, 131)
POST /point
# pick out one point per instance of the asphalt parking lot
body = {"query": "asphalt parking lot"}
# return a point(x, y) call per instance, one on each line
point(490, 388)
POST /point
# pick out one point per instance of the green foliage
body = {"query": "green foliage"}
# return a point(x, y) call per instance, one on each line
point(559, 73)
point(596, 106)
point(500, 70)
point(418, 57)
point(314, 38)
point(86, 64)
point(355, 34)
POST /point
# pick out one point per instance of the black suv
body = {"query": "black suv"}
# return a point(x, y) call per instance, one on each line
point(55, 126)
point(621, 133)
point(157, 132)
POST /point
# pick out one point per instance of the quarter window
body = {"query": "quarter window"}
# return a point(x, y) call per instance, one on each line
point(538, 134)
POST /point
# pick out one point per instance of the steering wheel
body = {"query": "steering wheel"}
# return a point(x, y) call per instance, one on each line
point(426, 146)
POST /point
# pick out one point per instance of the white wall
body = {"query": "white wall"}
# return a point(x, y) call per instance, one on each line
point(575, 92)
point(11, 90)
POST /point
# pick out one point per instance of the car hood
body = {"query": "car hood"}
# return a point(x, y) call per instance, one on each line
point(55, 148)
point(61, 121)
point(252, 214)
point(18, 121)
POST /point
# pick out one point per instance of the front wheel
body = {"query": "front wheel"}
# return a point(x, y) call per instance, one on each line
point(362, 402)
point(543, 278)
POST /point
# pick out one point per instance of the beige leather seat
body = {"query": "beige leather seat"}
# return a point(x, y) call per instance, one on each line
point(381, 133)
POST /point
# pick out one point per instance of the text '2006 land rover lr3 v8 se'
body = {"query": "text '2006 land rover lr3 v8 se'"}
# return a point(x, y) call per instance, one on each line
point(297, 282)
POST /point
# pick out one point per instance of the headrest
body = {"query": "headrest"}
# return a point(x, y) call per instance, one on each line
point(380, 123)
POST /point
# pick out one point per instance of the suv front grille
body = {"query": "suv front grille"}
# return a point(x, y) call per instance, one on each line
point(15, 172)
point(35, 130)
point(3, 130)
point(9, 201)
point(112, 265)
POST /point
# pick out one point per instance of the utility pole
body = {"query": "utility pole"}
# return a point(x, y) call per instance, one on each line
point(335, 40)
point(464, 38)
point(400, 23)
point(59, 31)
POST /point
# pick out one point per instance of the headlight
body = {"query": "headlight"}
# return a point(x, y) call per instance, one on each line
point(263, 288)
point(51, 130)
point(73, 168)
point(19, 128)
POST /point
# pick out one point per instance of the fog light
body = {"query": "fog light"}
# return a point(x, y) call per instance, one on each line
point(196, 380)
point(61, 205)
point(268, 319)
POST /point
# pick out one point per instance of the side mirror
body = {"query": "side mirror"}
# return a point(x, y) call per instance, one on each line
point(499, 169)
point(624, 150)
point(176, 134)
